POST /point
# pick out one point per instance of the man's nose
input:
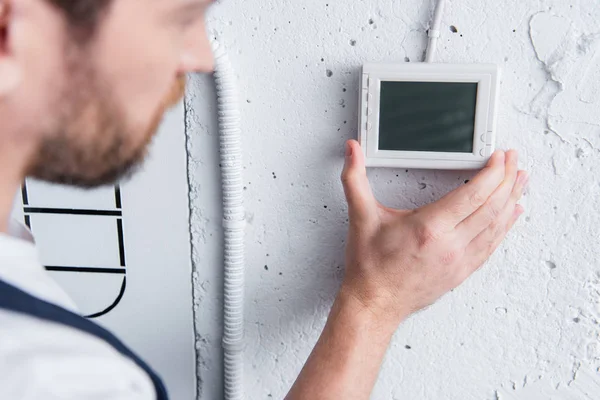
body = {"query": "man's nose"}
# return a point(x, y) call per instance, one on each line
point(198, 56)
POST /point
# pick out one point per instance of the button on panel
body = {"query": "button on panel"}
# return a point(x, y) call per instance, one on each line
point(365, 81)
point(486, 135)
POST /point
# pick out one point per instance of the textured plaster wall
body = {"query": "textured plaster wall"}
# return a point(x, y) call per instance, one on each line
point(531, 314)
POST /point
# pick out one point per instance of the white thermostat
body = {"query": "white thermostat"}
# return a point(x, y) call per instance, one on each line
point(426, 115)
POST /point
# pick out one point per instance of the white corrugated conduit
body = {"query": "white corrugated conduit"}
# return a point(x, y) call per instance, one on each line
point(233, 224)
point(434, 31)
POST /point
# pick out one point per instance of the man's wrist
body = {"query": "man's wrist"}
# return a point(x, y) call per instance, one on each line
point(367, 314)
point(347, 358)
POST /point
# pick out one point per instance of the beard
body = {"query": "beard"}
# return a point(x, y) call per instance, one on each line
point(91, 143)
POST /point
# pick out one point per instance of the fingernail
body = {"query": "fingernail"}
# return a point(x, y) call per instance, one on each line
point(348, 150)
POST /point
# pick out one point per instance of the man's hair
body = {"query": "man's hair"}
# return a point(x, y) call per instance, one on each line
point(82, 16)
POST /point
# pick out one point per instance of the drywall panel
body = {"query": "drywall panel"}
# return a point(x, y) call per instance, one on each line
point(123, 254)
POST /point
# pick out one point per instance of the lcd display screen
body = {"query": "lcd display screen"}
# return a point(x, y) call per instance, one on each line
point(427, 116)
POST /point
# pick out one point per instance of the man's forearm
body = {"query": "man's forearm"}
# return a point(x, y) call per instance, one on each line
point(346, 360)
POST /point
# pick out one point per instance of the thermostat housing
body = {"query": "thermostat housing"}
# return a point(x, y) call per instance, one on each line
point(422, 115)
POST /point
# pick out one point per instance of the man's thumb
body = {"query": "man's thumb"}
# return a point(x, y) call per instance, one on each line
point(361, 203)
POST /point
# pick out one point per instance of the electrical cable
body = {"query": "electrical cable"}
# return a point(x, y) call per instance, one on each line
point(434, 31)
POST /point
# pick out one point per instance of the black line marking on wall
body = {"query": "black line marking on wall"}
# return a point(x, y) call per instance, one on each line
point(118, 196)
point(121, 241)
point(24, 194)
point(118, 213)
point(120, 271)
point(72, 211)
point(114, 304)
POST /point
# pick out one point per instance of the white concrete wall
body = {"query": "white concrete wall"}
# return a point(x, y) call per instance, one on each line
point(530, 314)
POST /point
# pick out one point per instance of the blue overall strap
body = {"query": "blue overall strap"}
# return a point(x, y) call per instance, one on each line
point(13, 299)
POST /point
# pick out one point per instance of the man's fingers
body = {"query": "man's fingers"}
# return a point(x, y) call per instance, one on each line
point(494, 240)
point(474, 224)
point(464, 201)
point(482, 247)
point(362, 206)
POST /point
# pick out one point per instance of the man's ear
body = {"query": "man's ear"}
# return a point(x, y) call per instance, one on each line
point(10, 73)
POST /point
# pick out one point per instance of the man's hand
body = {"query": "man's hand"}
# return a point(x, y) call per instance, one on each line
point(400, 261)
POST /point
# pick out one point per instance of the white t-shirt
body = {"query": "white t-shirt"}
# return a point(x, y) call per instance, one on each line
point(49, 361)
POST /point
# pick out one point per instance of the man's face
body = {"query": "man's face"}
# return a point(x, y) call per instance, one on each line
point(94, 106)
